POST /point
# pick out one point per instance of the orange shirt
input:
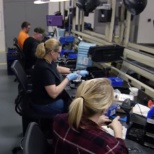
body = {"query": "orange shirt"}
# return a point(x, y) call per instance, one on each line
point(21, 38)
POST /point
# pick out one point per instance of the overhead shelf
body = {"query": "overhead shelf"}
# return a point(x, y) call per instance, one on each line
point(140, 56)
point(139, 68)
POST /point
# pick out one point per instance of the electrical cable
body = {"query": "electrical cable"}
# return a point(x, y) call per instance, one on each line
point(139, 108)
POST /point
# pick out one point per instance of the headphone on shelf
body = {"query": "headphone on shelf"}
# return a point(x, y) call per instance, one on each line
point(135, 7)
point(81, 4)
point(91, 5)
point(87, 5)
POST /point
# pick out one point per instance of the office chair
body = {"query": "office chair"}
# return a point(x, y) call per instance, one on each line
point(23, 106)
point(20, 52)
point(20, 75)
point(34, 141)
point(22, 58)
point(24, 85)
point(30, 115)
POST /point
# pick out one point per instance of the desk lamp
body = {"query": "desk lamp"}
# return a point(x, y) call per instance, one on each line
point(127, 105)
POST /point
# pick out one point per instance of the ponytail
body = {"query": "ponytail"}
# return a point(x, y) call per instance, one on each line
point(40, 51)
point(44, 48)
point(75, 113)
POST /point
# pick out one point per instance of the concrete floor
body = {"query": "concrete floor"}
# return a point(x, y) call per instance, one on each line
point(10, 121)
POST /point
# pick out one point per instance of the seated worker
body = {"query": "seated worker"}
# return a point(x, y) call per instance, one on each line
point(30, 46)
point(80, 130)
point(48, 88)
point(23, 34)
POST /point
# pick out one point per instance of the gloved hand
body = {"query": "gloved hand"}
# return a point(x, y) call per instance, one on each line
point(72, 76)
point(83, 73)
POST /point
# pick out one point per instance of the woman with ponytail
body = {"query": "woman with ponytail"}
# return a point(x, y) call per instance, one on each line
point(80, 131)
point(48, 87)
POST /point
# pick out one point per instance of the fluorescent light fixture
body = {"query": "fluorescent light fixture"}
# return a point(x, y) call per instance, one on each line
point(41, 1)
point(58, 0)
point(47, 1)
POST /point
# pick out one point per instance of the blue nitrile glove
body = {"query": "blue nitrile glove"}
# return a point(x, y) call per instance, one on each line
point(72, 76)
point(83, 73)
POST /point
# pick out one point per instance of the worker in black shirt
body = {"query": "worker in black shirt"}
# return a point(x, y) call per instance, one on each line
point(29, 47)
point(47, 85)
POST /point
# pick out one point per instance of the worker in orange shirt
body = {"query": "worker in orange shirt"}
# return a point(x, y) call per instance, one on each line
point(23, 34)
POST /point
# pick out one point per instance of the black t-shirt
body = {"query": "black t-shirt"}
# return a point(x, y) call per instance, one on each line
point(29, 49)
point(44, 74)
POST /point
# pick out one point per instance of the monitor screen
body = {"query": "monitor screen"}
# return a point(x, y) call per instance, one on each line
point(53, 20)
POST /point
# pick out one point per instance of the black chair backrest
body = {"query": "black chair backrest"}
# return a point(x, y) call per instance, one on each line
point(20, 52)
point(20, 74)
point(34, 141)
point(15, 40)
point(17, 46)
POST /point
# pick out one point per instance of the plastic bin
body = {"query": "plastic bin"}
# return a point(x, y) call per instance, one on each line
point(65, 52)
point(62, 40)
point(83, 61)
point(116, 81)
point(60, 32)
point(12, 50)
point(111, 110)
point(107, 53)
point(67, 39)
point(72, 56)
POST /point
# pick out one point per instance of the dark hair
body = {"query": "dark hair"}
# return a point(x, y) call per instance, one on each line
point(39, 30)
point(25, 24)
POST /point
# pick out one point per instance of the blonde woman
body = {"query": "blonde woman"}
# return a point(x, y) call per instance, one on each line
point(80, 131)
point(47, 85)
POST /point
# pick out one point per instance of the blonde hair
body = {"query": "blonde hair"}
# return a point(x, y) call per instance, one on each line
point(93, 96)
point(44, 48)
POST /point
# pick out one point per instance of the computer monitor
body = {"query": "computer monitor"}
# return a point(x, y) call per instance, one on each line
point(53, 20)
